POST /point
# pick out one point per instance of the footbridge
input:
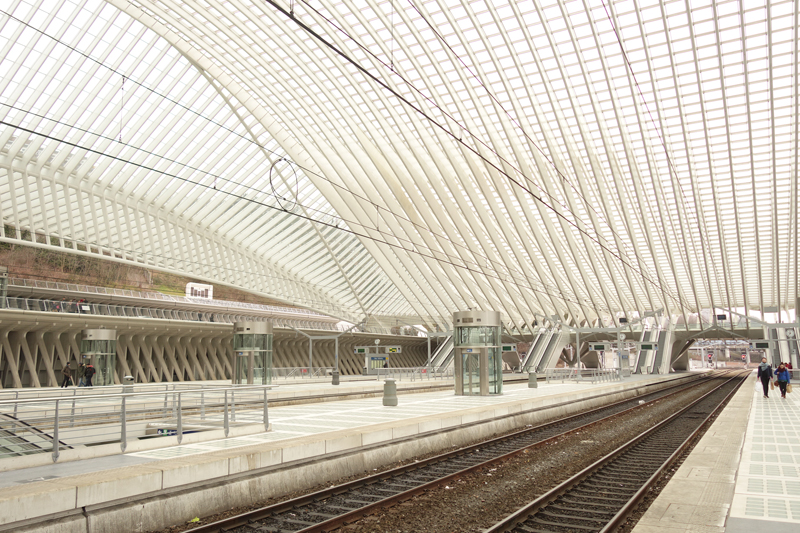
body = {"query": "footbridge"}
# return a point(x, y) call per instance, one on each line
point(659, 347)
point(163, 338)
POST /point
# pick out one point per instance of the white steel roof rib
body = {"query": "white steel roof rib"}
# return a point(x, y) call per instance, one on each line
point(409, 158)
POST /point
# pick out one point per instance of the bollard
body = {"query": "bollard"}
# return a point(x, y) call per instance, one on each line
point(335, 377)
point(533, 380)
point(389, 392)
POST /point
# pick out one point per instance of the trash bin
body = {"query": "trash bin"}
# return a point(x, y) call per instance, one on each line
point(390, 392)
point(127, 383)
point(335, 377)
point(533, 380)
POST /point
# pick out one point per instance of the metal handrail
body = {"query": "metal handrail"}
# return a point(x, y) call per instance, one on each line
point(21, 282)
point(40, 425)
point(134, 394)
point(104, 390)
point(70, 306)
point(421, 373)
point(594, 375)
point(124, 311)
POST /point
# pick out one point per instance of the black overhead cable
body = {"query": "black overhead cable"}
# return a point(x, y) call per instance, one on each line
point(249, 140)
point(558, 214)
point(305, 217)
point(335, 220)
point(430, 119)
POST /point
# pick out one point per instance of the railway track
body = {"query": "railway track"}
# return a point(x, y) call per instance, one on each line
point(602, 496)
point(330, 508)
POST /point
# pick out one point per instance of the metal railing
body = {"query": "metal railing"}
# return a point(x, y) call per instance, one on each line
point(54, 424)
point(592, 375)
point(302, 372)
point(307, 320)
point(90, 289)
point(79, 392)
point(126, 311)
point(412, 374)
point(71, 306)
point(123, 311)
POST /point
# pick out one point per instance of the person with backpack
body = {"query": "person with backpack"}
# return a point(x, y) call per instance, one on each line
point(88, 375)
point(81, 375)
point(765, 374)
point(782, 377)
point(67, 376)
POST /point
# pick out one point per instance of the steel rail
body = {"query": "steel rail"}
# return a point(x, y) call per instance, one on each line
point(231, 523)
point(518, 517)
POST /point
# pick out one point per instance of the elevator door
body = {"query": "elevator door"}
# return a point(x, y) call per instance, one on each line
point(244, 366)
point(471, 363)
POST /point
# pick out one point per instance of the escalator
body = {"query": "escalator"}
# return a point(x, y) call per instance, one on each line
point(442, 358)
point(535, 350)
point(556, 340)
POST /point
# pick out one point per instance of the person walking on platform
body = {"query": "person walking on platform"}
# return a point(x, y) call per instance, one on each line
point(782, 376)
point(90, 372)
point(67, 376)
point(765, 375)
point(81, 375)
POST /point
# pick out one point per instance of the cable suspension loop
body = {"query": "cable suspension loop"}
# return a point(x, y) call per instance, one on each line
point(278, 198)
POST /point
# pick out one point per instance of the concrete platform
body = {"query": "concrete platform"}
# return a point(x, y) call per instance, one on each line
point(743, 475)
point(310, 444)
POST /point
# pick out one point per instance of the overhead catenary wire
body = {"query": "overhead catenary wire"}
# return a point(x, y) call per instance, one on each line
point(280, 209)
point(503, 273)
point(701, 225)
point(405, 101)
point(334, 220)
point(306, 170)
point(417, 244)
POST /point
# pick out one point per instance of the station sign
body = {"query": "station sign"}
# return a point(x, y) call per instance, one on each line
point(509, 348)
point(377, 350)
point(642, 346)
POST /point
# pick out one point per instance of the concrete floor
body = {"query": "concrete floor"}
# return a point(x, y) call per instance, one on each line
point(743, 475)
point(348, 436)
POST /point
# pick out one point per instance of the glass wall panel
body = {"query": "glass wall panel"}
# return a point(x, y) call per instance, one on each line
point(495, 371)
point(471, 373)
point(477, 336)
point(253, 358)
point(3, 289)
point(102, 355)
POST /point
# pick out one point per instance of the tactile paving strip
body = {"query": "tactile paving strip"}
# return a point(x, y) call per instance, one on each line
point(768, 480)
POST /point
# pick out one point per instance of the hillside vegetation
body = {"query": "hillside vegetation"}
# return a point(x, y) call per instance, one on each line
point(50, 265)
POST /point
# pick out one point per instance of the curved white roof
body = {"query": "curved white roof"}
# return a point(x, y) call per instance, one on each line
point(409, 158)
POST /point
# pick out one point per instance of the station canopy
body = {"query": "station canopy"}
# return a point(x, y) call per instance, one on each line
point(409, 158)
